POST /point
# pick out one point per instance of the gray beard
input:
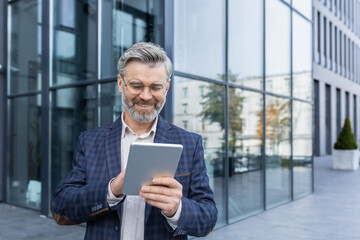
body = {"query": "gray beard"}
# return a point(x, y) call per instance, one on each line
point(142, 117)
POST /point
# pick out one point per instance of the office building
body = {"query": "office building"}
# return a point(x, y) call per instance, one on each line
point(336, 73)
point(242, 79)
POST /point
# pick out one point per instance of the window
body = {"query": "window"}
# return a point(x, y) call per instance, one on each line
point(330, 3)
point(185, 124)
point(325, 54)
point(345, 55)
point(345, 11)
point(340, 54)
point(185, 92)
point(355, 123)
point(319, 36)
point(349, 63)
point(340, 13)
point(347, 99)
point(338, 111)
point(185, 108)
point(336, 48)
point(328, 118)
point(335, 6)
point(330, 44)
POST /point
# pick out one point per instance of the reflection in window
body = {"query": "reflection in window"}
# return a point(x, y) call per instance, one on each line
point(277, 150)
point(185, 91)
point(110, 103)
point(245, 144)
point(246, 43)
point(198, 27)
point(277, 54)
point(75, 41)
point(208, 109)
point(125, 22)
point(73, 110)
point(24, 148)
point(24, 60)
point(302, 63)
point(302, 151)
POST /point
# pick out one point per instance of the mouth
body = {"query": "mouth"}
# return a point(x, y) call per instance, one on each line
point(145, 107)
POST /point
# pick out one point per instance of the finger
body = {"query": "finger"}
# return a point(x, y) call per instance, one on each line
point(159, 190)
point(157, 204)
point(156, 197)
point(167, 181)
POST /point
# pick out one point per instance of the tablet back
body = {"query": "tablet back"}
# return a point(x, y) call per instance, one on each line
point(149, 160)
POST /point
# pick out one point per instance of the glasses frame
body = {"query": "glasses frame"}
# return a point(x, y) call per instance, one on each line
point(126, 83)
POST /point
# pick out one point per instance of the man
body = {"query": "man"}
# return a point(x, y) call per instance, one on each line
point(171, 208)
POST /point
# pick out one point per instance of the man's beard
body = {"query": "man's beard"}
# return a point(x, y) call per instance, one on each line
point(142, 116)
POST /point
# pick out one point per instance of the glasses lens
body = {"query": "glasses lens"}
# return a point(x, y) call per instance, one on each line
point(135, 87)
point(158, 89)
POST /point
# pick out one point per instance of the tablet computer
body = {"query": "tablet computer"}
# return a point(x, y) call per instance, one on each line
point(149, 160)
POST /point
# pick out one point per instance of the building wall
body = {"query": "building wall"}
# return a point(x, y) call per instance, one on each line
point(328, 71)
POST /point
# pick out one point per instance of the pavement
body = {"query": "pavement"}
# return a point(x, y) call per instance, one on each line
point(332, 212)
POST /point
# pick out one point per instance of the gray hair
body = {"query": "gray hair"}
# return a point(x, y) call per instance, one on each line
point(145, 52)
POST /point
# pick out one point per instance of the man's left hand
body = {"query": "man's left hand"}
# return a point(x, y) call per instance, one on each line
point(166, 194)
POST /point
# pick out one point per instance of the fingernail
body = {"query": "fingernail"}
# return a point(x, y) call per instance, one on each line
point(155, 180)
point(143, 189)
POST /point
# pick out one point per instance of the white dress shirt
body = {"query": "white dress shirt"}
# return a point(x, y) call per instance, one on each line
point(133, 212)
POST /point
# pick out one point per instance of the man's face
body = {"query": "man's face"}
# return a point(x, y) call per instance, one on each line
point(144, 106)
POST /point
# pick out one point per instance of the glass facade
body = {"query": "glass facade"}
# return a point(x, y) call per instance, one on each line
point(236, 67)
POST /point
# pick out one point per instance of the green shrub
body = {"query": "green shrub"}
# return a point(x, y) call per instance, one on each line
point(346, 139)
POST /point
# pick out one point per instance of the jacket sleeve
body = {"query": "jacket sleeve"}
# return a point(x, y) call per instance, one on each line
point(199, 213)
point(75, 201)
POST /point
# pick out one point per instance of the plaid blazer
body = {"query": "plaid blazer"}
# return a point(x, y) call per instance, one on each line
point(82, 195)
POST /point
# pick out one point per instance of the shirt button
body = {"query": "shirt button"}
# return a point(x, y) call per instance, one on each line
point(116, 228)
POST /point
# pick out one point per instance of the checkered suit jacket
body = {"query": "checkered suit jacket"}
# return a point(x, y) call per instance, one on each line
point(82, 195)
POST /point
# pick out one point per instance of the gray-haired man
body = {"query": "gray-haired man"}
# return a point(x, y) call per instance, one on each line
point(172, 208)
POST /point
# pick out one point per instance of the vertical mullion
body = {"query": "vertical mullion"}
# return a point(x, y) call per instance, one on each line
point(99, 30)
point(3, 100)
point(169, 42)
point(45, 57)
point(226, 112)
point(264, 108)
point(291, 108)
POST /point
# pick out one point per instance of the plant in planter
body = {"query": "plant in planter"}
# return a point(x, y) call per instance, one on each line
point(346, 153)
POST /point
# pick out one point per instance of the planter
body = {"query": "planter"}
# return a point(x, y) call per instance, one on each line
point(345, 159)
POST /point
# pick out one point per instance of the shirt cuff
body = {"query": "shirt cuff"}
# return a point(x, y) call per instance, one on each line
point(174, 220)
point(111, 199)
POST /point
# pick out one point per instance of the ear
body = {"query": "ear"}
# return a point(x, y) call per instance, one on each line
point(168, 84)
point(119, 83)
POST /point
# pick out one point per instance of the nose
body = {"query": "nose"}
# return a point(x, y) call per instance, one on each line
point(146, 94)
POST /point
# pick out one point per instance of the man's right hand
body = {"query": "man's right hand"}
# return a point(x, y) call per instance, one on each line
point(117, 183)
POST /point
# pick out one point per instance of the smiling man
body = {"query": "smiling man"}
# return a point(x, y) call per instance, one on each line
point(172, 208)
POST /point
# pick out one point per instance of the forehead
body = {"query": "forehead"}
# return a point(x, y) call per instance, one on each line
point(145, 73)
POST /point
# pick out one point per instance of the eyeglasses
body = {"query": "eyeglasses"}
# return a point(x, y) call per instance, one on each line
point(157, 89)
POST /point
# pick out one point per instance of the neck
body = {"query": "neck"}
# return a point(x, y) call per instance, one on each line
point(137, 127)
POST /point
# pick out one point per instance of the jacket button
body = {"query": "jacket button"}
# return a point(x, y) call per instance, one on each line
point(116, 228)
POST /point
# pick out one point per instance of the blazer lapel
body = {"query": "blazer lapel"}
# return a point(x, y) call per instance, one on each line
point(162, 136)
point(113, 148)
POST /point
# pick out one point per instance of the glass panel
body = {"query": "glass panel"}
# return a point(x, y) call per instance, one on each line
point(277, 150)
point(75, 41)
point(125, 22)
point(302, 151)
point(24, 46)
point(199, 37)
point(202, 112)
point(303, 6)
point(246, 43)
point(245, 142)
point(24, 152)
point(302, 63)
point(73, 110)
point(277, 48)
point(110, 103)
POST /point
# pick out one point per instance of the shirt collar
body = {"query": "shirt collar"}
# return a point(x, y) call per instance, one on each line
point(125, 128)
